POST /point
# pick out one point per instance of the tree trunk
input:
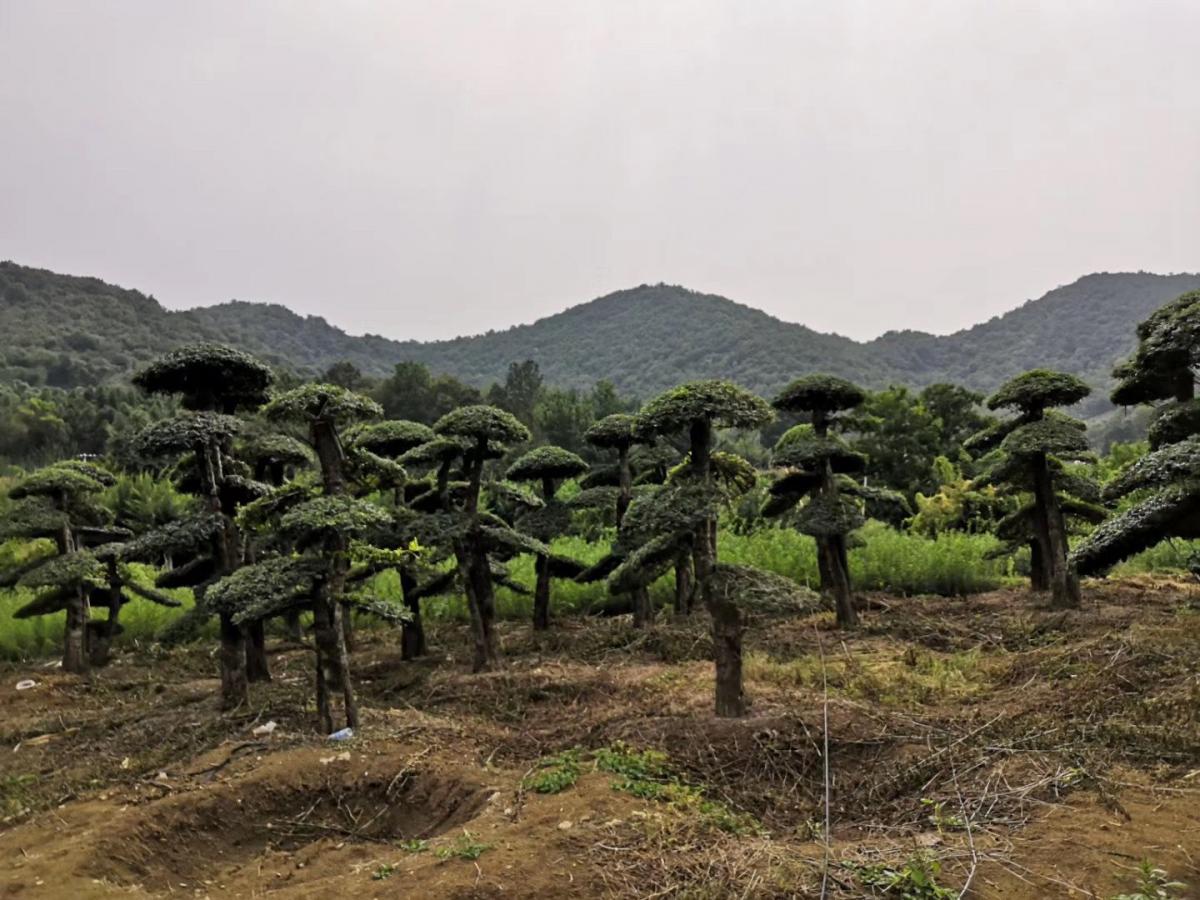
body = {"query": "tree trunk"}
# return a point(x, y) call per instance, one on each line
point(683, 585)
point(258, 668)
point(624, 484)
point(349, 703)
point(412, 632)
point(1064, 583)
point(347, 616)
point(482, 604)
point(643, 608)
point(291, 622)
point(824, 572)
point(75, 654)
point(234, 691)
point(541, 594)
point(727, 649)
point(1039, 580)
point(102, 634)
point(843, 598)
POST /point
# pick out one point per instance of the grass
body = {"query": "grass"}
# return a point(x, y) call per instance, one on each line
point(915, 677)
point(41, 636)
point(897, 562)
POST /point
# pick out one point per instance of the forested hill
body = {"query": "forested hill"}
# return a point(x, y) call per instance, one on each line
point(66, 331)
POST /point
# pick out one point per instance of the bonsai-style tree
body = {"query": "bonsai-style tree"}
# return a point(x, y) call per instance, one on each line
point(698, 409)
point(619, 432)
point(323, 410)
point(1166, 482)
point(322, 529)
point(213, 383)
point(484, 429)
point(814, 458)
point(59, 502)
point(202, 443)
point(392, 439)
point(1032, 449)
point(208, 377)
point(547, 466)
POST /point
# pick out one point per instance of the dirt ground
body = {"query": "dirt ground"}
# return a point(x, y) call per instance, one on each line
point(1006, 748)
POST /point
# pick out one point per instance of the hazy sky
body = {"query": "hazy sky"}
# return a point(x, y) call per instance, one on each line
point(428, 169)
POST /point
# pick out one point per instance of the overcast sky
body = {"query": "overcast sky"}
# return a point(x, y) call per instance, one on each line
point(429, 169)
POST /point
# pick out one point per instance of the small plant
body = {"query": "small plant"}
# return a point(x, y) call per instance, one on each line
point(414, 846)
point(1153, 883)
point(939, 818)
point(643, 765)
point(915, 880)
point(646, 774)
point(464, 847)
point(383, 873)
point(554, 773)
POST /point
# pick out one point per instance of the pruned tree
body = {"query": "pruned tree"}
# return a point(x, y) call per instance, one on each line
point(619, 432)
point(392, 439)
point(1165, 484)
point(1033, 449)
point(323, 411)
point(59, 502)
point(484, 429)
point(213, 382)
point(322, 530)
point(202, 444)
point(689, 508)
point(815, 461)
point(547, 466)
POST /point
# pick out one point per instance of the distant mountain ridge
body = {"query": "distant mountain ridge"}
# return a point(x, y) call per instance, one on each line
point(67, 330)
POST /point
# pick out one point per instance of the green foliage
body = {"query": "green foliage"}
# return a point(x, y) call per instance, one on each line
point(332, 514)
point(464, 847)
point(1153, 883)
point(915, 879)
point(819, 393)
point(326, 402)
point(546, 462)
point(208, 376)
point(1039, 389)
point(720, 403)
point(482, 423)
point(802, 448)
point(392, 437)
point(554, 774)
point(1058, 436)
point(613, 431)
point(185, 433)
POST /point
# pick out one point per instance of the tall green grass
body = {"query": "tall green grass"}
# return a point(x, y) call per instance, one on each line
point(952, 564)
point(41, 636)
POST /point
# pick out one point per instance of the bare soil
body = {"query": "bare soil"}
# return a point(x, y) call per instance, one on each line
point(1025, 752)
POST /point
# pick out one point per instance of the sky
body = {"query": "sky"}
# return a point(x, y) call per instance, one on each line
point(431, 169)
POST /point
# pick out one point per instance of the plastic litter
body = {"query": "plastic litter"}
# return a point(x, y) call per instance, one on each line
point(343, 735)
point(26, 684)
point(265, 729)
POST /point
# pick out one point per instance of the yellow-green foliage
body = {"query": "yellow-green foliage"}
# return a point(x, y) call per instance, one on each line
point(42, 635)
point(914, 677)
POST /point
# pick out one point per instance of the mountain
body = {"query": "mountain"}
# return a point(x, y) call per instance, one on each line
point(65, 331)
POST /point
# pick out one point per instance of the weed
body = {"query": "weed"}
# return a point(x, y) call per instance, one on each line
point(464, 847)
point(916, 879)
point(939, 818)
point(647, 774)
point(1153, 883)
point(414, 846)
point(554, 773)
point(383, 872)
